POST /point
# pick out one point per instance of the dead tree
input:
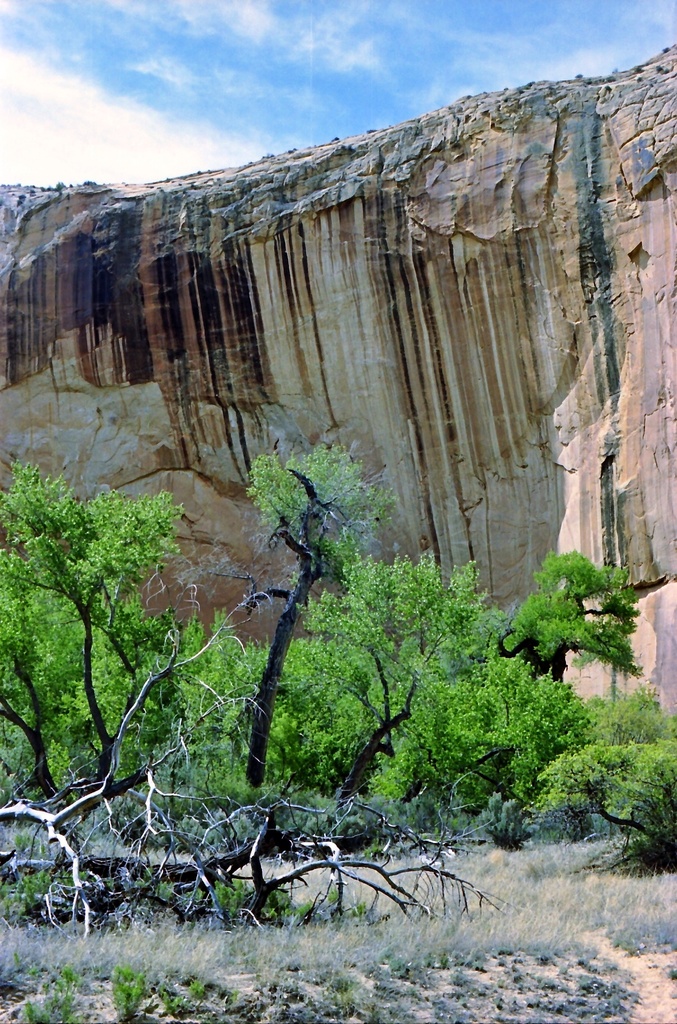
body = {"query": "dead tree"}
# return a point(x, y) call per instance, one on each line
point(61, 812)
point(310, 570)
point(328, 502)
point(230, 867)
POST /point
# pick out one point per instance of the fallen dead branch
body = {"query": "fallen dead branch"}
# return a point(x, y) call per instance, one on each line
point(247, 869)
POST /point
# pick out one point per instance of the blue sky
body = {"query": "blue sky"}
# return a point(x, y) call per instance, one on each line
point(138, 90)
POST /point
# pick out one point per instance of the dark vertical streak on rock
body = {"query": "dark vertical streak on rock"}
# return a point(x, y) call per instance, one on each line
point(606, 479)
point(524, 303)
point(421, 271)
point(170, 309)
point(393, 306)
point(595, 259)
point(118, 293)
point(313, 314)
point(167, 272)
point(284, 274)
point(243, 329)
point(241, 433)
point(416, 344)
point(30, 330)
point(262, 365)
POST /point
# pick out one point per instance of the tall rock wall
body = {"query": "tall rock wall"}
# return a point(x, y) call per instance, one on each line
point(481, 300)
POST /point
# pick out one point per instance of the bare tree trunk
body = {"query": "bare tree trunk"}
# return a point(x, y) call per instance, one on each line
point(41, 773)
point(88, 681)
point(270, 680)
point(556, 664)
point(378, 743)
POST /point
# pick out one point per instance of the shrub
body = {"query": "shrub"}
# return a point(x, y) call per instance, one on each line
point(59, 1007)
point(633, 787)
point(631, 718)
point(505, 823)
point(129, 991)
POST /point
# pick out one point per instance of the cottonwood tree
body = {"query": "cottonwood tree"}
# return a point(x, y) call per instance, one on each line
point(81, 660)
point(402, 680)
point(578, 608)
point(322, 510)
point(395, 631)
point(76, 645)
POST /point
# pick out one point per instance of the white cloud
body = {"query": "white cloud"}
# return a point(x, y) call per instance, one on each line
point(167, 70)
point(341, 39)
point(251, 19)
point(336, 35)
point(57, 126)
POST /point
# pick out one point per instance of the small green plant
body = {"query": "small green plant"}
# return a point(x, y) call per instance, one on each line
point(196, 990)
point(344, 992)
point(59, 1007)
point(129, 990)
point(173, 1002)
point(505, 824)
point(278, 905)
point(25, 897)
point(233, 897)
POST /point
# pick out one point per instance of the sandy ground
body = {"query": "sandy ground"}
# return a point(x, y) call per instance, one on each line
point(612, 986)
point(649, 975)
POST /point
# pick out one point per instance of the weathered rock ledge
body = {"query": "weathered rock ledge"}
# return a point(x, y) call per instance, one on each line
point(482, 300)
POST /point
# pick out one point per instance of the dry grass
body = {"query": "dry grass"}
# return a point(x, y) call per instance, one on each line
point(535, 959)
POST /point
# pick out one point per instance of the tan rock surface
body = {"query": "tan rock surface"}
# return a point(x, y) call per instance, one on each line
point(482, 299)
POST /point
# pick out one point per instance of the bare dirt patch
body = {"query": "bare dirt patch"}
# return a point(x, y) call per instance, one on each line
point(653, 976)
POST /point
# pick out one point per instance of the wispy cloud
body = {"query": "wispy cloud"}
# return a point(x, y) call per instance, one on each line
point(339, 36)
point(343, 40)
point(70, 130)
point(252, 19)
point(167, 70)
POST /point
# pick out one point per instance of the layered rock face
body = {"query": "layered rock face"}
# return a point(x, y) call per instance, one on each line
point(481, 300)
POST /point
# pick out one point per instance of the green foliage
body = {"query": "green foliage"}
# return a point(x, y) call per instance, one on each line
point(395, 628)
point(636, 717)
point(479, 721)
point(196, 990)
point(278, 905)
point(403, 614)
point(76, 643)
point(577, 607)
point(25, 898)
point(492, 726)
point(129, 990)
point(228, 673)
point(76, 549)
point(233, 898)
point(505, 823)
point(59, 1006)
point(347, 510)
point(174, 1004)
point(633, 786)
point(319, 724)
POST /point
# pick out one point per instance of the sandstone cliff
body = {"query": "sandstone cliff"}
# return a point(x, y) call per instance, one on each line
point(483, 299)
